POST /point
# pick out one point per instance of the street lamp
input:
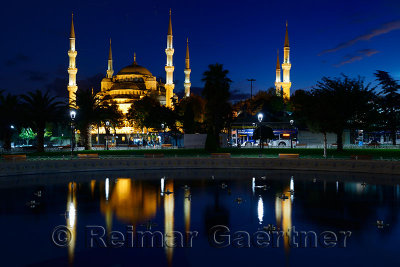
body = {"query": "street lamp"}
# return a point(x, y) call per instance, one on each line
point(291, 134)
point(107, 125)
point(251, 87)
point(162, 126)
point(260, 118)
point(72, 114)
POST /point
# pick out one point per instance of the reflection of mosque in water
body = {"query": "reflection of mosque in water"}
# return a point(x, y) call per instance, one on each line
point(135, 202)
point(283, 213)
point(132, 202)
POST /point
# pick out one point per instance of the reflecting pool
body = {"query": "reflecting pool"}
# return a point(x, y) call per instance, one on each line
point(200, 218)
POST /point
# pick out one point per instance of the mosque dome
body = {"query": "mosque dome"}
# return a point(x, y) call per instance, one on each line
point(134, 68)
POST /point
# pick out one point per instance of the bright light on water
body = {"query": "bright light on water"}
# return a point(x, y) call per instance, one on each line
point(253, 185)
point(291, 183)
point(260, 210)
point(71, 214)
point(107, 187)
point(162, 185)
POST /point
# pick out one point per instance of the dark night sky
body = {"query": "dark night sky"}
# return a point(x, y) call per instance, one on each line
point(326, 38)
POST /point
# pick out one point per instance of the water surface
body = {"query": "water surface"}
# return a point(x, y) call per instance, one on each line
point(32, 206)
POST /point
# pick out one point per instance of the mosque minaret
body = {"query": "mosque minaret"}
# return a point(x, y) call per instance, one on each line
point(72, 70)
point(187, 70)
point(286, 66)
point(110, 70)
point(278, 83)
point(169, 68)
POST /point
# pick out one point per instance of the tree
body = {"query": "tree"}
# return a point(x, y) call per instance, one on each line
point(388, 103)
point(9, 108)
point(312, 108)
point(40, 109)
point(263, 133)
point(146, 113)
point(347, 102)
point(27, 134)
point(91, 111)
point(190, 111)
point(218, 111)
point(149, 113)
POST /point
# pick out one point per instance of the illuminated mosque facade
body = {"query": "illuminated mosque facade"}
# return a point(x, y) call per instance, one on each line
point(132, 82)
point(283, 86)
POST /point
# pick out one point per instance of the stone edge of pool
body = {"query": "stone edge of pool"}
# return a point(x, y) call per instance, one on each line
point(60, 166)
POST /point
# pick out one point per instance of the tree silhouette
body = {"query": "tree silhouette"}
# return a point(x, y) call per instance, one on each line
point(9, 120)
point(265, 132)
point(388, 103)
point(191, 113)
point(346, 102)
point(218, 111)
point(40, 109)
point(93, 111)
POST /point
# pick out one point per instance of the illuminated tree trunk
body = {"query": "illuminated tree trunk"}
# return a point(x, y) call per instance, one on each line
point(40, 139)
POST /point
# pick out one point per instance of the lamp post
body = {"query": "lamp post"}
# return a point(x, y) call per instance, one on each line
point(260, 118)
point(72, 114)
point(162, 126)
point(251, 87)
point(291, 135)
point(107, 124)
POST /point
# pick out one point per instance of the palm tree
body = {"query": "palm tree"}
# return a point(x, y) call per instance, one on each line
point(40, 109)
point(218, 109)
point(9, 105)
point(92, 110)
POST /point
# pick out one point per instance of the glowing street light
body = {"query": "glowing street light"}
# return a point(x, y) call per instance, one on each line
point(107, 125)
point(260, 118)
point(291, 134)
point(163, 137)
point(72, 114)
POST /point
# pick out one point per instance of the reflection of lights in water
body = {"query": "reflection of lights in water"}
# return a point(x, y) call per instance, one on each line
point(186, 210)
point(283, 214)
point(253, 185)
point(260, 210)
point(359, 188)
point(291, 189)
point(169, 218)
point(162, 186)
point(92, 186)
point(278, 210)
point(71, 215)
point(286, 222)
point(71, 219)
point(291, 184)
point(337, 186)
point(130, 201)
point(107, 187)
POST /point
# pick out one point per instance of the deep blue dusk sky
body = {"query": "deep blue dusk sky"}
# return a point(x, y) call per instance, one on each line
point(326, 38)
